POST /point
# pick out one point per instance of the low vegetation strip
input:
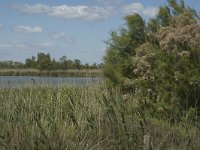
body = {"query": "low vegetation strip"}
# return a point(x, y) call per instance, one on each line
point(89, 117)
point(51, 73)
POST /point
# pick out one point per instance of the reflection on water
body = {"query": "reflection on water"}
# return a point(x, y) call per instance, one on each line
point(17, 81)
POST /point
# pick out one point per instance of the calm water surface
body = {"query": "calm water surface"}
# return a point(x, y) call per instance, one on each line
point(17, 81)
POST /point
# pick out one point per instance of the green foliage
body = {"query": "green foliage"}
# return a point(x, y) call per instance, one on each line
point(77, 64)
point(10, 65)
point(152, 26)
point(177, 8)
point(121, 47)
point(136, 25)
point(159, 62)
point(164, 16)
point(44, 61)
point(31, 63)
point(86, 117)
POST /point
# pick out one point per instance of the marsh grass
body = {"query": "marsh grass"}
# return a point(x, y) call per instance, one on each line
point(82, 118)
point(51, 73)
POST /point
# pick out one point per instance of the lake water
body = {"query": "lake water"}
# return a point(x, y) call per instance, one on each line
point(17, 81)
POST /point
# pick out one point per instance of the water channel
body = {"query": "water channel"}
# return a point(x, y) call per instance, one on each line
point(18, 81)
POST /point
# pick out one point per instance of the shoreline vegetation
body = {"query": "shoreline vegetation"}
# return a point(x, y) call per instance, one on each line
point(89, 117)
point(45, 63)
point(52, 73)
point(152, 89)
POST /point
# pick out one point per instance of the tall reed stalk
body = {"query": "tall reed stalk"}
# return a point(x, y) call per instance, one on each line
point(88, 117)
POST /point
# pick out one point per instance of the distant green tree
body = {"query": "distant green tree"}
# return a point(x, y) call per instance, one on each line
point(94, 66)
point(64, 63)
point(86, 66)
point(44, 61)
point(77, 64)
point(55, 64)
point(70, 64)
point(31, 62)
point(18, 65)
point(63, 59)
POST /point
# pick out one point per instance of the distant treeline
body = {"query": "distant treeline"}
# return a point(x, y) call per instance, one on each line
point(45, 62)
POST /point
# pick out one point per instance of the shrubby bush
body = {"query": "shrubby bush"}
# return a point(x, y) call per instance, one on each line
point(159, 61)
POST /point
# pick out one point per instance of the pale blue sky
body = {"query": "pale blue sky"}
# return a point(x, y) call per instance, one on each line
point(75, 28)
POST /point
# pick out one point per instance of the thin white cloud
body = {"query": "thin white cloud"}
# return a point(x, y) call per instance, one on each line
point(150, 11)
point(44, 44)
point(28, 29)
point(33, 9)
point(25, 45)
point(20, 45)
point(110, 2)
point(57, 35)
point(78, 12)
point(139, 8)
point(133, 8)
point(67, 12)
point(3, 45)
point(12, 45)
point(39, 44)
point(84, 12)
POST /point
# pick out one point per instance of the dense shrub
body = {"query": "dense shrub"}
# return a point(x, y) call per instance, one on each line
point(159, 62)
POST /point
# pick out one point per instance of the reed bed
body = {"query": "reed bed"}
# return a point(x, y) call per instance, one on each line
point(90, 117)
point(51, 73)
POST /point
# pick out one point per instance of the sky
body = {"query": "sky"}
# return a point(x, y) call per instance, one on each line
point(77, 29)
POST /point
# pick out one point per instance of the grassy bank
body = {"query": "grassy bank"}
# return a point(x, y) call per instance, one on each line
point(52, 73)
point(90, 117)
